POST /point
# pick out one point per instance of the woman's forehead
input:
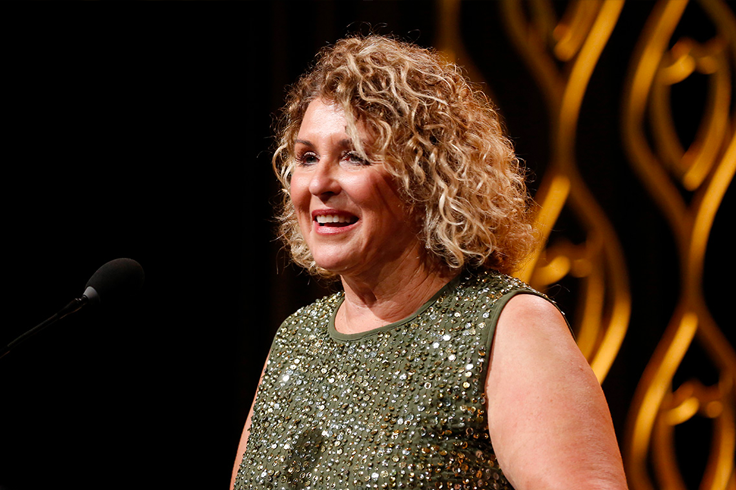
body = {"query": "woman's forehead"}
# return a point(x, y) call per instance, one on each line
point(324, 118)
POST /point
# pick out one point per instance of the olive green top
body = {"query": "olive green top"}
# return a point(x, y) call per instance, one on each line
point(401, 406)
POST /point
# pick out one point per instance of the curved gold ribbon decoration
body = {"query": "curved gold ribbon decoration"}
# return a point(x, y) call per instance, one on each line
point(574, 43)
point(705, 168)
point(577, 40)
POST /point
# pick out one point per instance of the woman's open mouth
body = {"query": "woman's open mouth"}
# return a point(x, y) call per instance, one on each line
point(335, 220)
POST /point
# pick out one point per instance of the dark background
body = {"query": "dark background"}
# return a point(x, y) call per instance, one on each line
point(147, 135)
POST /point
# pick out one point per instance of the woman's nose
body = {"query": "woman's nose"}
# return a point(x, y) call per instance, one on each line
point(325, 181)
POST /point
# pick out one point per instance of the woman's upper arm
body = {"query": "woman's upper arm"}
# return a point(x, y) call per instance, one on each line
point(547, 416)
point(246, 431)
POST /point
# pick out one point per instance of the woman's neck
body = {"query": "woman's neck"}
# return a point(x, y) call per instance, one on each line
point(389, 297)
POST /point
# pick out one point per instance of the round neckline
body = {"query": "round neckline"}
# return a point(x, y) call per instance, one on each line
point(356, 336)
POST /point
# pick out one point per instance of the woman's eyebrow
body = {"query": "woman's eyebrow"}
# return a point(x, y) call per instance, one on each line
point(344, 143)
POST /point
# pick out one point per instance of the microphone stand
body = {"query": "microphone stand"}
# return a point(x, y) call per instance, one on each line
point(74, 305)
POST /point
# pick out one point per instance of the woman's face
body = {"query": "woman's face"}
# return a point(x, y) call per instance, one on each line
point(349, 210)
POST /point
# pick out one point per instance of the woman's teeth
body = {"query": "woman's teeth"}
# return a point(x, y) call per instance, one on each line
point(326, 219)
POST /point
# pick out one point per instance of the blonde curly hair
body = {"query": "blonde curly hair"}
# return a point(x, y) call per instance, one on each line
point(441, 140)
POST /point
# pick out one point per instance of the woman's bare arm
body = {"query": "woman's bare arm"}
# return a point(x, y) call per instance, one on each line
point(548, 418)
point(246, 431)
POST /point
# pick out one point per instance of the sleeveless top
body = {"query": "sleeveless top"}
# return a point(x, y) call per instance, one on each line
point(401, 406)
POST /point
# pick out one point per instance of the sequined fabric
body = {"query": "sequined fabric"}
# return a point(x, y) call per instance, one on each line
point(402, 406)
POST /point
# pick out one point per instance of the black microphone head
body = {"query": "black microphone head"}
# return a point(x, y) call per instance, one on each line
point(117, 280)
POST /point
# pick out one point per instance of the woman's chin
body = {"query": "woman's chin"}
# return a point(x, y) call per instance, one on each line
point(335, 265)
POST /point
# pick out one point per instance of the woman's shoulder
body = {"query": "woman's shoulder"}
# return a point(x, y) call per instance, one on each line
point(492, 284)
point(319, 309)
point(497, 290)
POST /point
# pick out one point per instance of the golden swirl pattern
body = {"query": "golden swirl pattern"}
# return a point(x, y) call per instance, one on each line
point(686, 177)
point(562, 53)
point(672, 171)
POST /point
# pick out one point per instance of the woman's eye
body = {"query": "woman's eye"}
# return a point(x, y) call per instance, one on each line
point(307, 158)
point(354, 158)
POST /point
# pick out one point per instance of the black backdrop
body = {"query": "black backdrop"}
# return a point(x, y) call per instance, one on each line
point(146, 134)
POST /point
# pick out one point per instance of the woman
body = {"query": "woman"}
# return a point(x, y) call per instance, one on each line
point(432, 368)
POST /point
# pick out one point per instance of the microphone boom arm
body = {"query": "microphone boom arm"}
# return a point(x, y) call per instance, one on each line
point(73, 306)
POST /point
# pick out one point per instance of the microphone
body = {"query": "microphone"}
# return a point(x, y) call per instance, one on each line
point(116, 281)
